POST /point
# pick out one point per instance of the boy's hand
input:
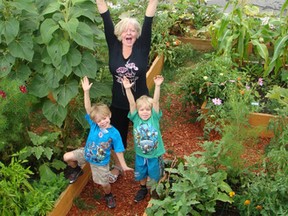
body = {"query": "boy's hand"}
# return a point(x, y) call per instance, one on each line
point(85, 84)
point(126, 169)
point(158, 80)
point(126, 83)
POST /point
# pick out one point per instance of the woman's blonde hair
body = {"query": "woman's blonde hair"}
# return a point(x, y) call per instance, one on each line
point(144, 100)
point(100, 110)
point(122, 26)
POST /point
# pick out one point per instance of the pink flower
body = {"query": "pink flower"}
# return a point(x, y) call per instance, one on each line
point(260, 81)
point(2, 94)
point(23, 89)
point(217, 101)
point(247, 87)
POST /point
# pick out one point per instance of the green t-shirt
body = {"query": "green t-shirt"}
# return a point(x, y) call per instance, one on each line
point(148, 141)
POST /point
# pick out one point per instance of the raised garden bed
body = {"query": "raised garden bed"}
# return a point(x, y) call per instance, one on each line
point(259, 120)
point(198, 44)
point(65, 201)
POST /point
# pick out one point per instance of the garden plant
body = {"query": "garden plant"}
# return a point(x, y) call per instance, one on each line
point(48, 46)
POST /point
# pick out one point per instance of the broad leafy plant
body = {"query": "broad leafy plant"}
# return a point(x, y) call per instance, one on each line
point(50, 45)
point(192, 190)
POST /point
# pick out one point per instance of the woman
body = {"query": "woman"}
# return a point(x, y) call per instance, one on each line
point(128, 56)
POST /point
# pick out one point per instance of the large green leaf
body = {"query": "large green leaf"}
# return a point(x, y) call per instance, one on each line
point(47, 28)
point(70, 26)
point(27, 5)
point(66, 92)
point(101, 89)
point(22, 48)
point(11, 29)
point(46, 173)
point(38, 150)
point(48, 152)
point(56, 49)
point(55, 113)
point(38, 87)
point(22, 73)
point(85, 9)
point(279, 48)
point(84, 36)
point(52, 7)
point(87, 67)
point(6, 63)
point(53, 77)
point(74, 57)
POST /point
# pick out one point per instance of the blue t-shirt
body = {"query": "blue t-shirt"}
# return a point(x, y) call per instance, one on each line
point(148, 141)
point(99, 143)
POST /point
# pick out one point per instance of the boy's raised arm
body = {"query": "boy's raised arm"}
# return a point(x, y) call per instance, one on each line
point(158, 81)
point(86, 89)
point(127, 85)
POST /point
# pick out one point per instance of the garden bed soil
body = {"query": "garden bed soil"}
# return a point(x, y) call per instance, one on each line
point(181, 137)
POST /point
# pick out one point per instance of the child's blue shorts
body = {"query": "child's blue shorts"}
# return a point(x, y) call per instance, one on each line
point(152, 167)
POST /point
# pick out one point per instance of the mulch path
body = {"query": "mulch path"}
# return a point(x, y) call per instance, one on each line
point(181, 137)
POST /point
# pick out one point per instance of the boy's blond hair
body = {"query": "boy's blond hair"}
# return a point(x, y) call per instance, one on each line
point(121, 26)
point(99, 109)
point(144, 100)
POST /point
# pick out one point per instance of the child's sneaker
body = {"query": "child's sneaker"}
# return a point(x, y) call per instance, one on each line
point(110, 201)
point(72, 174)
point(141, 194)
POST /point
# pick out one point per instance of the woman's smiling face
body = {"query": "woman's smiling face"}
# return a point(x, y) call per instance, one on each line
point(129, 35)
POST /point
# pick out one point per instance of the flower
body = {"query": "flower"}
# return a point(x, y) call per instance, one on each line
point(205, 77)
point(247, 202)
point(260, 81)
point(259, 207)
point(217, 101)
point(23, 89)
point(232, 194)
point(2, 94)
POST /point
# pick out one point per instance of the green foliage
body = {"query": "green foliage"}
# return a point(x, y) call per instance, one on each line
point(15, 107)
point(267, 190)
point(189, 15)
point(244, 26)
point(190, 189)
point(50, 45)
point(206, 80)
point(14, 182)
point(42, 154)
point(19, 195)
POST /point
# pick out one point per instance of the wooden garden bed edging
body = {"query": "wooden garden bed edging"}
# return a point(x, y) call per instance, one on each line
point(260, 120)
point(197, 43)
point(154, 70)
point(64, 203)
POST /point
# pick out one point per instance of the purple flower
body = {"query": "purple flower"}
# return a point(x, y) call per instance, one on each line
point(260, 81)
point(247, 87)
point(217, 101)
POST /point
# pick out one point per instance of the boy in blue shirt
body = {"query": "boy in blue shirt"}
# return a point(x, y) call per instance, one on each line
point(149, 148)
point(97, 151)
